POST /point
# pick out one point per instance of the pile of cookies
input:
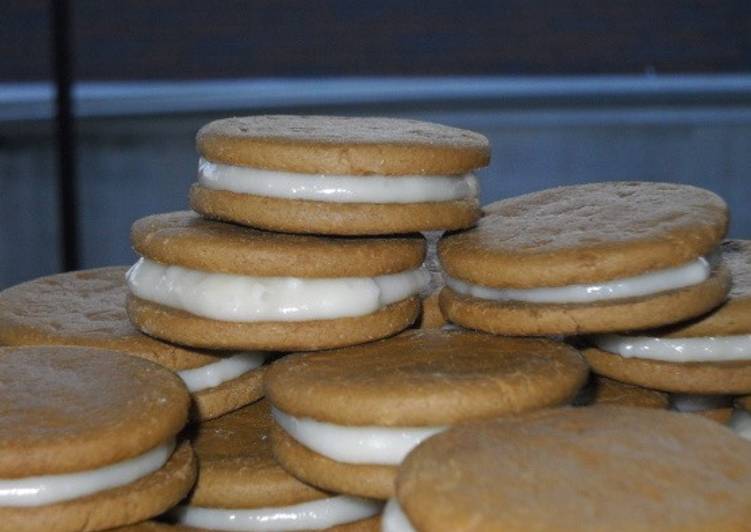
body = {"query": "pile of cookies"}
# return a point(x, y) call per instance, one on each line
point(165, 397)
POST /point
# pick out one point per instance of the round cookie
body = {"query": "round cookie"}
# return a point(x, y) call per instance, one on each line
point(710, 354)
point(601, 468)
point(345, 418)
point(587, 258)
point(87, 309)
point(220, 286)
point(88, 439)
point(338, 175)
point(239, 481)
point(604, 391)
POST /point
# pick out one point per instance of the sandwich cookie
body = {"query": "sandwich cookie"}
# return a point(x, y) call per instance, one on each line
point(241, 487)
point(600, 468)
point(87, 309)
point(220, 286)
point(338, 175)
point(345, 419)
point(592, 258)
point(708, 355)
point(89, 439)
point(740, 422)
point(604, 391)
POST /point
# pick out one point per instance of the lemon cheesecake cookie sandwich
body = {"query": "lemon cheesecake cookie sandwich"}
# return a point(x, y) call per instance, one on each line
point(602, 257)
point(338, 175)
point(88, 439)
point(344, 419)
point(220, 286)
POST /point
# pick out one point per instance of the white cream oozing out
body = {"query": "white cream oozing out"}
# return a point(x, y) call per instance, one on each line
point(336, 188)
point(394, 518)
point(681, 402)
point(48, 489)
point(701, 349)
point(645, 284)
point(217, 373)
point(240, 298)
point(741, 423)
point(355, 444)
point(313, 515)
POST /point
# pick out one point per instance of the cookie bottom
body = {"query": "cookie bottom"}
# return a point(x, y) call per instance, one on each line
point(515, 318)
point(364, 480)
point(132, 503)
point(732, 378)
point(228, 396)
point(327, 218)
point(183, 328)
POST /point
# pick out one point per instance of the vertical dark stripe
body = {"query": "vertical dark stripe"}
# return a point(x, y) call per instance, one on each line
point(65, 133)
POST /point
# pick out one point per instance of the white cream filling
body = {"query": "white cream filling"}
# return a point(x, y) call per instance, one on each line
point(216, 373)
point(313, 515)
point(48, 489)
point(394, 519)
point(741, 424)
point(645, 284)
point(355, 444)
point(336, 188)
point(239, 298)
point(701, 349)
point(682, 402)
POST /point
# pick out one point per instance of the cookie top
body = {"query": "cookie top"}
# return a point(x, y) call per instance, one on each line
point(237, 469)
point(85, 308)
point(426, 377)
point(585, 233)
point(734, 316)
point(66, 409)
point(185, 239)
point(599, 468)
point(337, 145)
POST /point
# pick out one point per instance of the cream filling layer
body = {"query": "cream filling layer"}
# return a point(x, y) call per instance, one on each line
point(741, 424)
point(216, 373)
point(683, 402)
point(313, 515)
point(701, 349)
point(336, 188)
point(356, 444)
point(645, 284)
point(49, 489)
point(394, 519)
point(240, 298)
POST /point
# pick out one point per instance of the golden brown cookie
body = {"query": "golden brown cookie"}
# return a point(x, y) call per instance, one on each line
point(584, 469)
point(220, 286)
point(710, 354)
point(239, 481)
point(338, 175)
point(87, 309)
point(345, 418)
point(88, 439)
point(604, 391)
point(587, 258)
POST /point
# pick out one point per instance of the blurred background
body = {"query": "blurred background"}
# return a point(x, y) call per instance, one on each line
point(100, 101)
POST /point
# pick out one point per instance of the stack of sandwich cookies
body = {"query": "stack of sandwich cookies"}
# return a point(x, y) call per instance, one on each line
point(600, 468)
point(587, 258)
point(709, 355)
point(345, 419)
point(87, 309)
point(89, 439)
point(241, 487)
point(338, 175)
point(221, 286)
